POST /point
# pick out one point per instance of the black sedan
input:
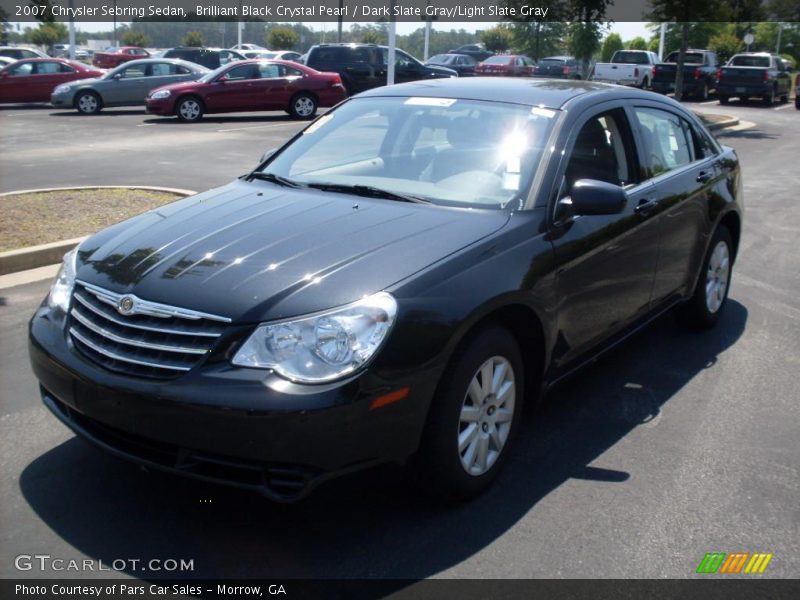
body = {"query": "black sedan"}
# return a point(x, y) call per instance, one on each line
point(463, 64)
point(479, 241)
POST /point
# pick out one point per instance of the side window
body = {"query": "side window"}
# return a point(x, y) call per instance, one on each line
point(240, 73)
point(163, 69)
point(47, 68)
point(290, 72)
point(21, 70)
point(181, 70)
point(269, 71)
point(705, 147)
point(134, 72)
point(602, 151)
point(666, 145)
point(62, 68)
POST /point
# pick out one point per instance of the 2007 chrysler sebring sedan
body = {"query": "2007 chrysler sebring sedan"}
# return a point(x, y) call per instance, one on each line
point(390, 285)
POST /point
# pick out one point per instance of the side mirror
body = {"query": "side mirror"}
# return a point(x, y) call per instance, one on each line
point(592, 197)
point(267, 155)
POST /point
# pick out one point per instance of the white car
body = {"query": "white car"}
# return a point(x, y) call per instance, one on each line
point(247, 47)
point(5, 60)
point(272, 54)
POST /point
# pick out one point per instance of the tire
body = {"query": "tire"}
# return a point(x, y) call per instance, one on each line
point(645, 84)
point(724, 99)
point(769, 98)
point(477, 416)
point(785, 98)
point(710, 297)
point(303, 106)
point(189, 109)
point(797, 103)
point(88, 103)
point(702, 95)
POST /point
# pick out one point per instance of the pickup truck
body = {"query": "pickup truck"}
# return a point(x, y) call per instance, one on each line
point(627, 67)
point(754, 74)
point(699, 73)
point(113, 56)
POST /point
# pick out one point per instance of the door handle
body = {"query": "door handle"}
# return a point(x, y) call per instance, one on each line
point(704, 176)
point(645, 206)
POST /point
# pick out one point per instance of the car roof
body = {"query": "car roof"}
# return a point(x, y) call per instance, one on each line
point(533, 92)
point(157, 59)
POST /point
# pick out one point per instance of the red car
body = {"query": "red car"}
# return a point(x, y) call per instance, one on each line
point(248, 85)
point(506, 65)
point(114, 58)
point(34, 79)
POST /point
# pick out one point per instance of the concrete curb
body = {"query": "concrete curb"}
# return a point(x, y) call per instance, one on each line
point(22, 259)
point(728, 122)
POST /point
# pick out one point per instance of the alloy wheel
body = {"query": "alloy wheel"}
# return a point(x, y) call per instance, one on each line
point(486, 415)
point(304, 106)
point(87, 103)
point(190, 110)
point(717, 277)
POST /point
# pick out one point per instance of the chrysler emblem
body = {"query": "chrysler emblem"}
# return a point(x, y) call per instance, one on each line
point(125, 305)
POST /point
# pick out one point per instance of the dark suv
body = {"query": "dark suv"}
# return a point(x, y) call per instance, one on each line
point(363, 66)
point(210, 58)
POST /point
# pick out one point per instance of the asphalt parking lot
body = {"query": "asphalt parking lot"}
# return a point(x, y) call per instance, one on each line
point(674, 445)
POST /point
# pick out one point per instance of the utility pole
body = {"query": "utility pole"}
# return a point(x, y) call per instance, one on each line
point(339, 26)
point(427, 33)
point(392, 42)
point(778, 45)
point(71, 30)
point(115, 22)
point(661, 41)
point(239, 25)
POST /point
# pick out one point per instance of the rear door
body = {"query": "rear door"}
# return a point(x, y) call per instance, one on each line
point(683, 169)
point(47, 76)
point(128, 85)
point(275, 86)
point(605, 263)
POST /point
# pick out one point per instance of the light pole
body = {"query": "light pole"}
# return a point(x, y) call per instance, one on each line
point(115, 22)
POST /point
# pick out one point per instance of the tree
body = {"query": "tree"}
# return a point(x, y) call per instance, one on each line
point(48, 34)
point(135, 38)
point(282, 38)
point(497, 39)
point(538, 39)
point(725, 44)
point(370, 36)
point(684, 13)
point(637, 43)
point(611, 44)
point(193, 38)
point(584, 41)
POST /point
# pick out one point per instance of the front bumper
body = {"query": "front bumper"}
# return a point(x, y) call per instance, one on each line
point(62, 100)
point(164, 108)
point(229, 425)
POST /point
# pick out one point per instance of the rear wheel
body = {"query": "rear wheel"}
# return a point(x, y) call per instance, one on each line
point(785, 98)
point(703, 93)
point(724, 99)
point(711, 295)
point(88, 103)
point(473, 418)
point(303, 106)
point(769, 97)
point(189, 109)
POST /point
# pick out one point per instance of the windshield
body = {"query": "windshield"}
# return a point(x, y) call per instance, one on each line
point(441, 150)
point(636, 58)
point(497, 60)
point(694, 58)
point(750, 61)
point(441, 59)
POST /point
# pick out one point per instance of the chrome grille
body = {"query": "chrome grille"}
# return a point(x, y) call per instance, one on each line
point(146, 340)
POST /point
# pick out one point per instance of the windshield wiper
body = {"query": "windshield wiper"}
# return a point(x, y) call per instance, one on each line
point(273, 178)
point(368, 191)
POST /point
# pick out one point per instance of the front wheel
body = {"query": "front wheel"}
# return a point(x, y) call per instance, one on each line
point(711, 294)
point(189, 110)
point(473, 418)
point(88, 103)
point(303, 106)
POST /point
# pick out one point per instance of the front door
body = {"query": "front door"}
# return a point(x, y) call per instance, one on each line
point(606, 263)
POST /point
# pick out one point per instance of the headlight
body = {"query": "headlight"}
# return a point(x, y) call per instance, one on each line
point(61, 290)
point(61, 89)
point(322, 347)
point(161, 94)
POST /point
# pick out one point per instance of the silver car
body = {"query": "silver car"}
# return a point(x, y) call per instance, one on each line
point(126, 85)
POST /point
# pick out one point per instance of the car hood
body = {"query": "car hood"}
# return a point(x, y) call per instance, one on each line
point(253, 251)
point(441, 70)
point(80, 82)
point(177, 87)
